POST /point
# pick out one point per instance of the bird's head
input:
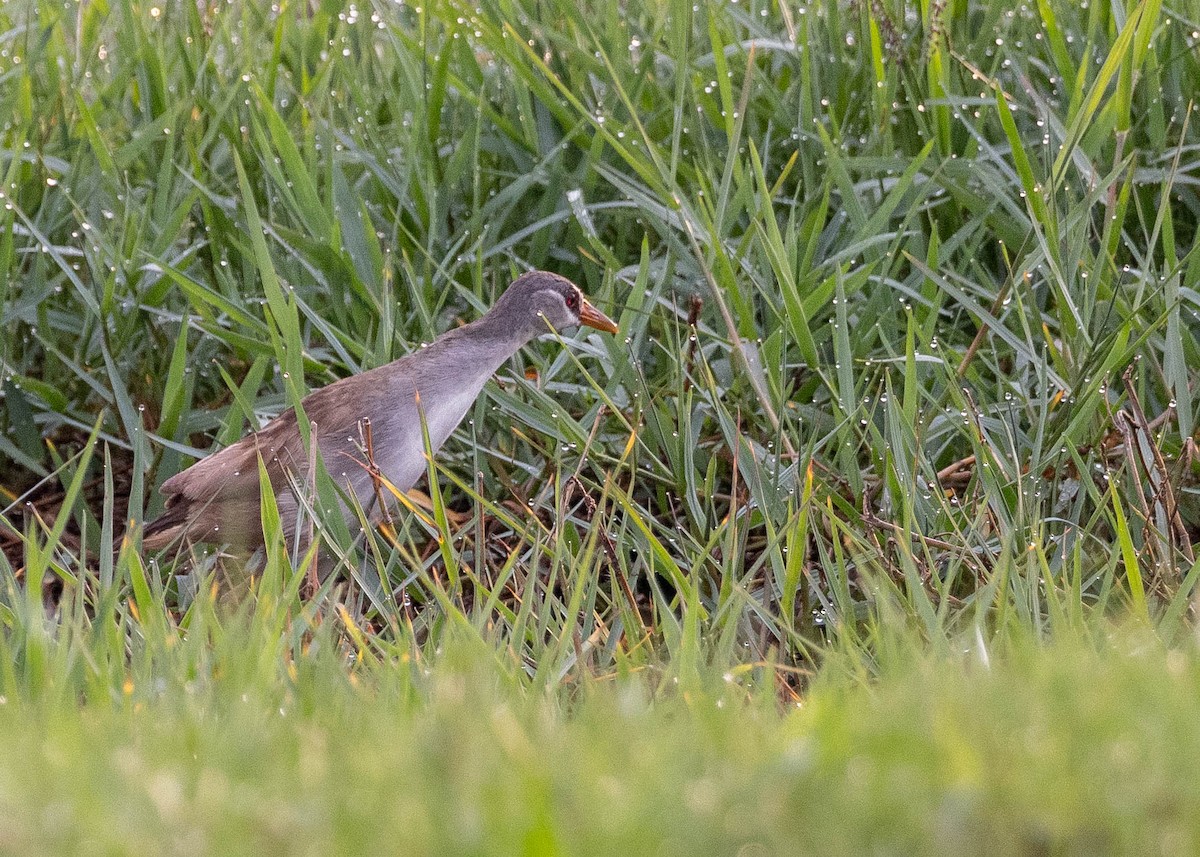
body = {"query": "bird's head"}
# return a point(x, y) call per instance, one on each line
point(539, 297)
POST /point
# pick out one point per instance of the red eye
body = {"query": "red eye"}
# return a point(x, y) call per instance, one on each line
point(573, 301)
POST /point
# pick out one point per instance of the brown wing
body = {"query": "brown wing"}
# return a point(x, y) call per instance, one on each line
point(233, 471)
point(217, 498)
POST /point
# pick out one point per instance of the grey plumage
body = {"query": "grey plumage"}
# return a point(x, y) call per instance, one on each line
point(217, 499)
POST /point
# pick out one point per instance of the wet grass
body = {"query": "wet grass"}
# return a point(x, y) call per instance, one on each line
point(908, 309)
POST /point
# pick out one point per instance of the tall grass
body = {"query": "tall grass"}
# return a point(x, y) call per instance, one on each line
point(907, 299)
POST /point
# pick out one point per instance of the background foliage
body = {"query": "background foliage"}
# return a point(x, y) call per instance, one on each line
point(908, 304)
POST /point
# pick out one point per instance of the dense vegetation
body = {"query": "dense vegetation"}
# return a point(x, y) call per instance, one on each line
point(908, 300)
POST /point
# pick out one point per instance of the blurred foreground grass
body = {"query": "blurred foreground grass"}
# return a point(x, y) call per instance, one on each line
point(909, 312)
point(1075, 747)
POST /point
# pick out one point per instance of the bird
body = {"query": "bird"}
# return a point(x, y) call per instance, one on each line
point(217, 499)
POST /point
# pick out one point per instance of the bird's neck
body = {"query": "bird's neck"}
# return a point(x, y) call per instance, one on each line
point(498, 336)
point(477, 350)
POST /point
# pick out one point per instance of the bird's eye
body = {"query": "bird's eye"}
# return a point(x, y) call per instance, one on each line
point(573, 301)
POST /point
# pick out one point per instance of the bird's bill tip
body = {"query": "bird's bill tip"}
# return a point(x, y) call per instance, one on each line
point(592, 317)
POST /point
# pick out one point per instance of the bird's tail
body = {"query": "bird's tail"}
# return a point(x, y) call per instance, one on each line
point(166, 528)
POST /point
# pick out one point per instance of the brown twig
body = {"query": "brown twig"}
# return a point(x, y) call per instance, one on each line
point(689, 360)
point(982, 332)
point(955, 470)
point(385, 511)
point(311, 581)
point(368, 438)
point(1127, 426)
point(1160, 479)
point(610, 550)
point(926, 541)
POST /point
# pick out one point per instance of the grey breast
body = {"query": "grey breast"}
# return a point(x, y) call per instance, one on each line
point(436, 385)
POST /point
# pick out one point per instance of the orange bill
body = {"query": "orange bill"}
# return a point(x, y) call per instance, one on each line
point(592, 317)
